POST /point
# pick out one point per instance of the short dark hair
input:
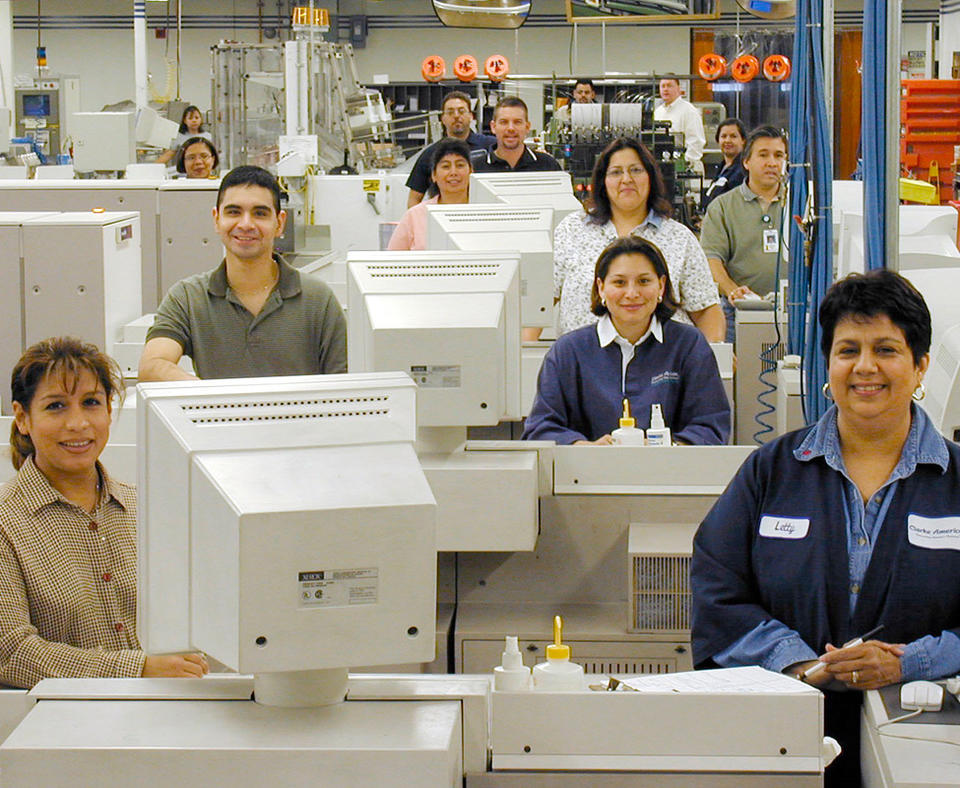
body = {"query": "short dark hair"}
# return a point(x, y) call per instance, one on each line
point(764, 133)
point(633, 244)
point(671, 77)
point(64, 356)
point(585, 81)
point(460, 96)
point(248, 175)
point(875, 293)
point(511, 101)
point(657, 201)
point(731, 122)
point(182, 151)
point(445, 147)
point(183, 118)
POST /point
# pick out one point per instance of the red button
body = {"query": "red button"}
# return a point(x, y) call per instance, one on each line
point(92, 526)
point(106, 577)
point(118, 626)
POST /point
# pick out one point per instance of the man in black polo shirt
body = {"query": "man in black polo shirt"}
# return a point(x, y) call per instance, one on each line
point(511, 125)
point(455, 118)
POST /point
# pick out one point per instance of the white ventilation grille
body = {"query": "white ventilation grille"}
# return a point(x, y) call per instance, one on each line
point(660, 594)
point(616, 667)
point(479, 218)
point(770, 354)
point(421, 270)
point(310, 409)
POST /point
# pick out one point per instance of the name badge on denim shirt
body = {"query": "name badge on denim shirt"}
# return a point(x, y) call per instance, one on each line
point(784, 527)
point(934, 533)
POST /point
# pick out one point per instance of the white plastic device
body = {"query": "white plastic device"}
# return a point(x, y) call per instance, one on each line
point(921, 695)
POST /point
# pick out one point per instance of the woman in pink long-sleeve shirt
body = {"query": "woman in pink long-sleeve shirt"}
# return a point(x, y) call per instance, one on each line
point(451, 176)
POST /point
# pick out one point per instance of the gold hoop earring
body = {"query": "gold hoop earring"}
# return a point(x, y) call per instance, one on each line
point(919, 392)
point(826, 391)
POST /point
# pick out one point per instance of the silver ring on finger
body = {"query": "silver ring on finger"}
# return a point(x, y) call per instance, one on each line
point(856, 677)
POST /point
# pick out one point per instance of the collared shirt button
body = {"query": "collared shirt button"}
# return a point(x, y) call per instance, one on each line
point(855, 588)
point(861, 541)
point(106, 577)
point(118, 626)
point(92, 526)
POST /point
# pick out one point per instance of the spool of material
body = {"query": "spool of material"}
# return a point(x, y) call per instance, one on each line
point(776, 68)
point(712, 66)
point(745, 68)
point(496, 67)
point(433, 68)
point(465, 68)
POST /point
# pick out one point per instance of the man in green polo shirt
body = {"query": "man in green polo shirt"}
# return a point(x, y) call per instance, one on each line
point(254, 315)
point(742, 233)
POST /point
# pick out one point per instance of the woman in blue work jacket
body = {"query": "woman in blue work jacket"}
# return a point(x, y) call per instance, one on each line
point(634, 352)
point(835, 529)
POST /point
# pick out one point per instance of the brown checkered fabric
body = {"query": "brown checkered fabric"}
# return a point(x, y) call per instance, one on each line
point(67, 582)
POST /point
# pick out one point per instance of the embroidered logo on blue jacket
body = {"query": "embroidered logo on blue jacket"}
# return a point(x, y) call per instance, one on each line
point(665, 377)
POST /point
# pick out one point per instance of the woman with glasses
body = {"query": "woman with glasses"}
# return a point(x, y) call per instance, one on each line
point(191, 125)
point(629, 199)
point(197, 158)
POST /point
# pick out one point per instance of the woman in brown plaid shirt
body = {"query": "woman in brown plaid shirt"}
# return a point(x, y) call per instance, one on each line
point(68, 531)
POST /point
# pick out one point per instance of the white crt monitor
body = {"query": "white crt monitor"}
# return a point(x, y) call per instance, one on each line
point(285, 524)
point(527, 190)
point(939, 288)
point(452, 322)
point(928, 238)
point(485, 228)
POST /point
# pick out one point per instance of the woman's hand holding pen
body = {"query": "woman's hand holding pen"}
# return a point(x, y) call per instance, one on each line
point(864, 666)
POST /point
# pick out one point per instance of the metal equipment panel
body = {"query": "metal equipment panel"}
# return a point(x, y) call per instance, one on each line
point(80, 195)
point(189, 243)
point(195, 744)
point(81, 276)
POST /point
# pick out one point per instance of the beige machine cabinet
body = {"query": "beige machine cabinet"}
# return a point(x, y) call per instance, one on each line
point(789, 398)
point(757, 351)
point(595, 634)
point(194, 743)
point(690, 734)
point(81, 276)
point(11, 295)
point(188, 242)
point(85, 195)
point(579, 566)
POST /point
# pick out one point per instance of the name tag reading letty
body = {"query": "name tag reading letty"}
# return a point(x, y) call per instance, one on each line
point(784, 527)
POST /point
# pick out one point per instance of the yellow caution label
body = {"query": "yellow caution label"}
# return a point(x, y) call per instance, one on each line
point(371, 184)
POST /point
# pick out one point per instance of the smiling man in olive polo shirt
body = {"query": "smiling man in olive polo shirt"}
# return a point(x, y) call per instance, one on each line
point(254, 315)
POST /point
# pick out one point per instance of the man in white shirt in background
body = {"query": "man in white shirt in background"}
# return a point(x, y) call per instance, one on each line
point(685, 118)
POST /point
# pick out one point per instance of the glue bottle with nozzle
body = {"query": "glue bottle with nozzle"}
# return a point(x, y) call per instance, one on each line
point(628, 434)
point(558, 673)
point(659, 433)
point(511, 674)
